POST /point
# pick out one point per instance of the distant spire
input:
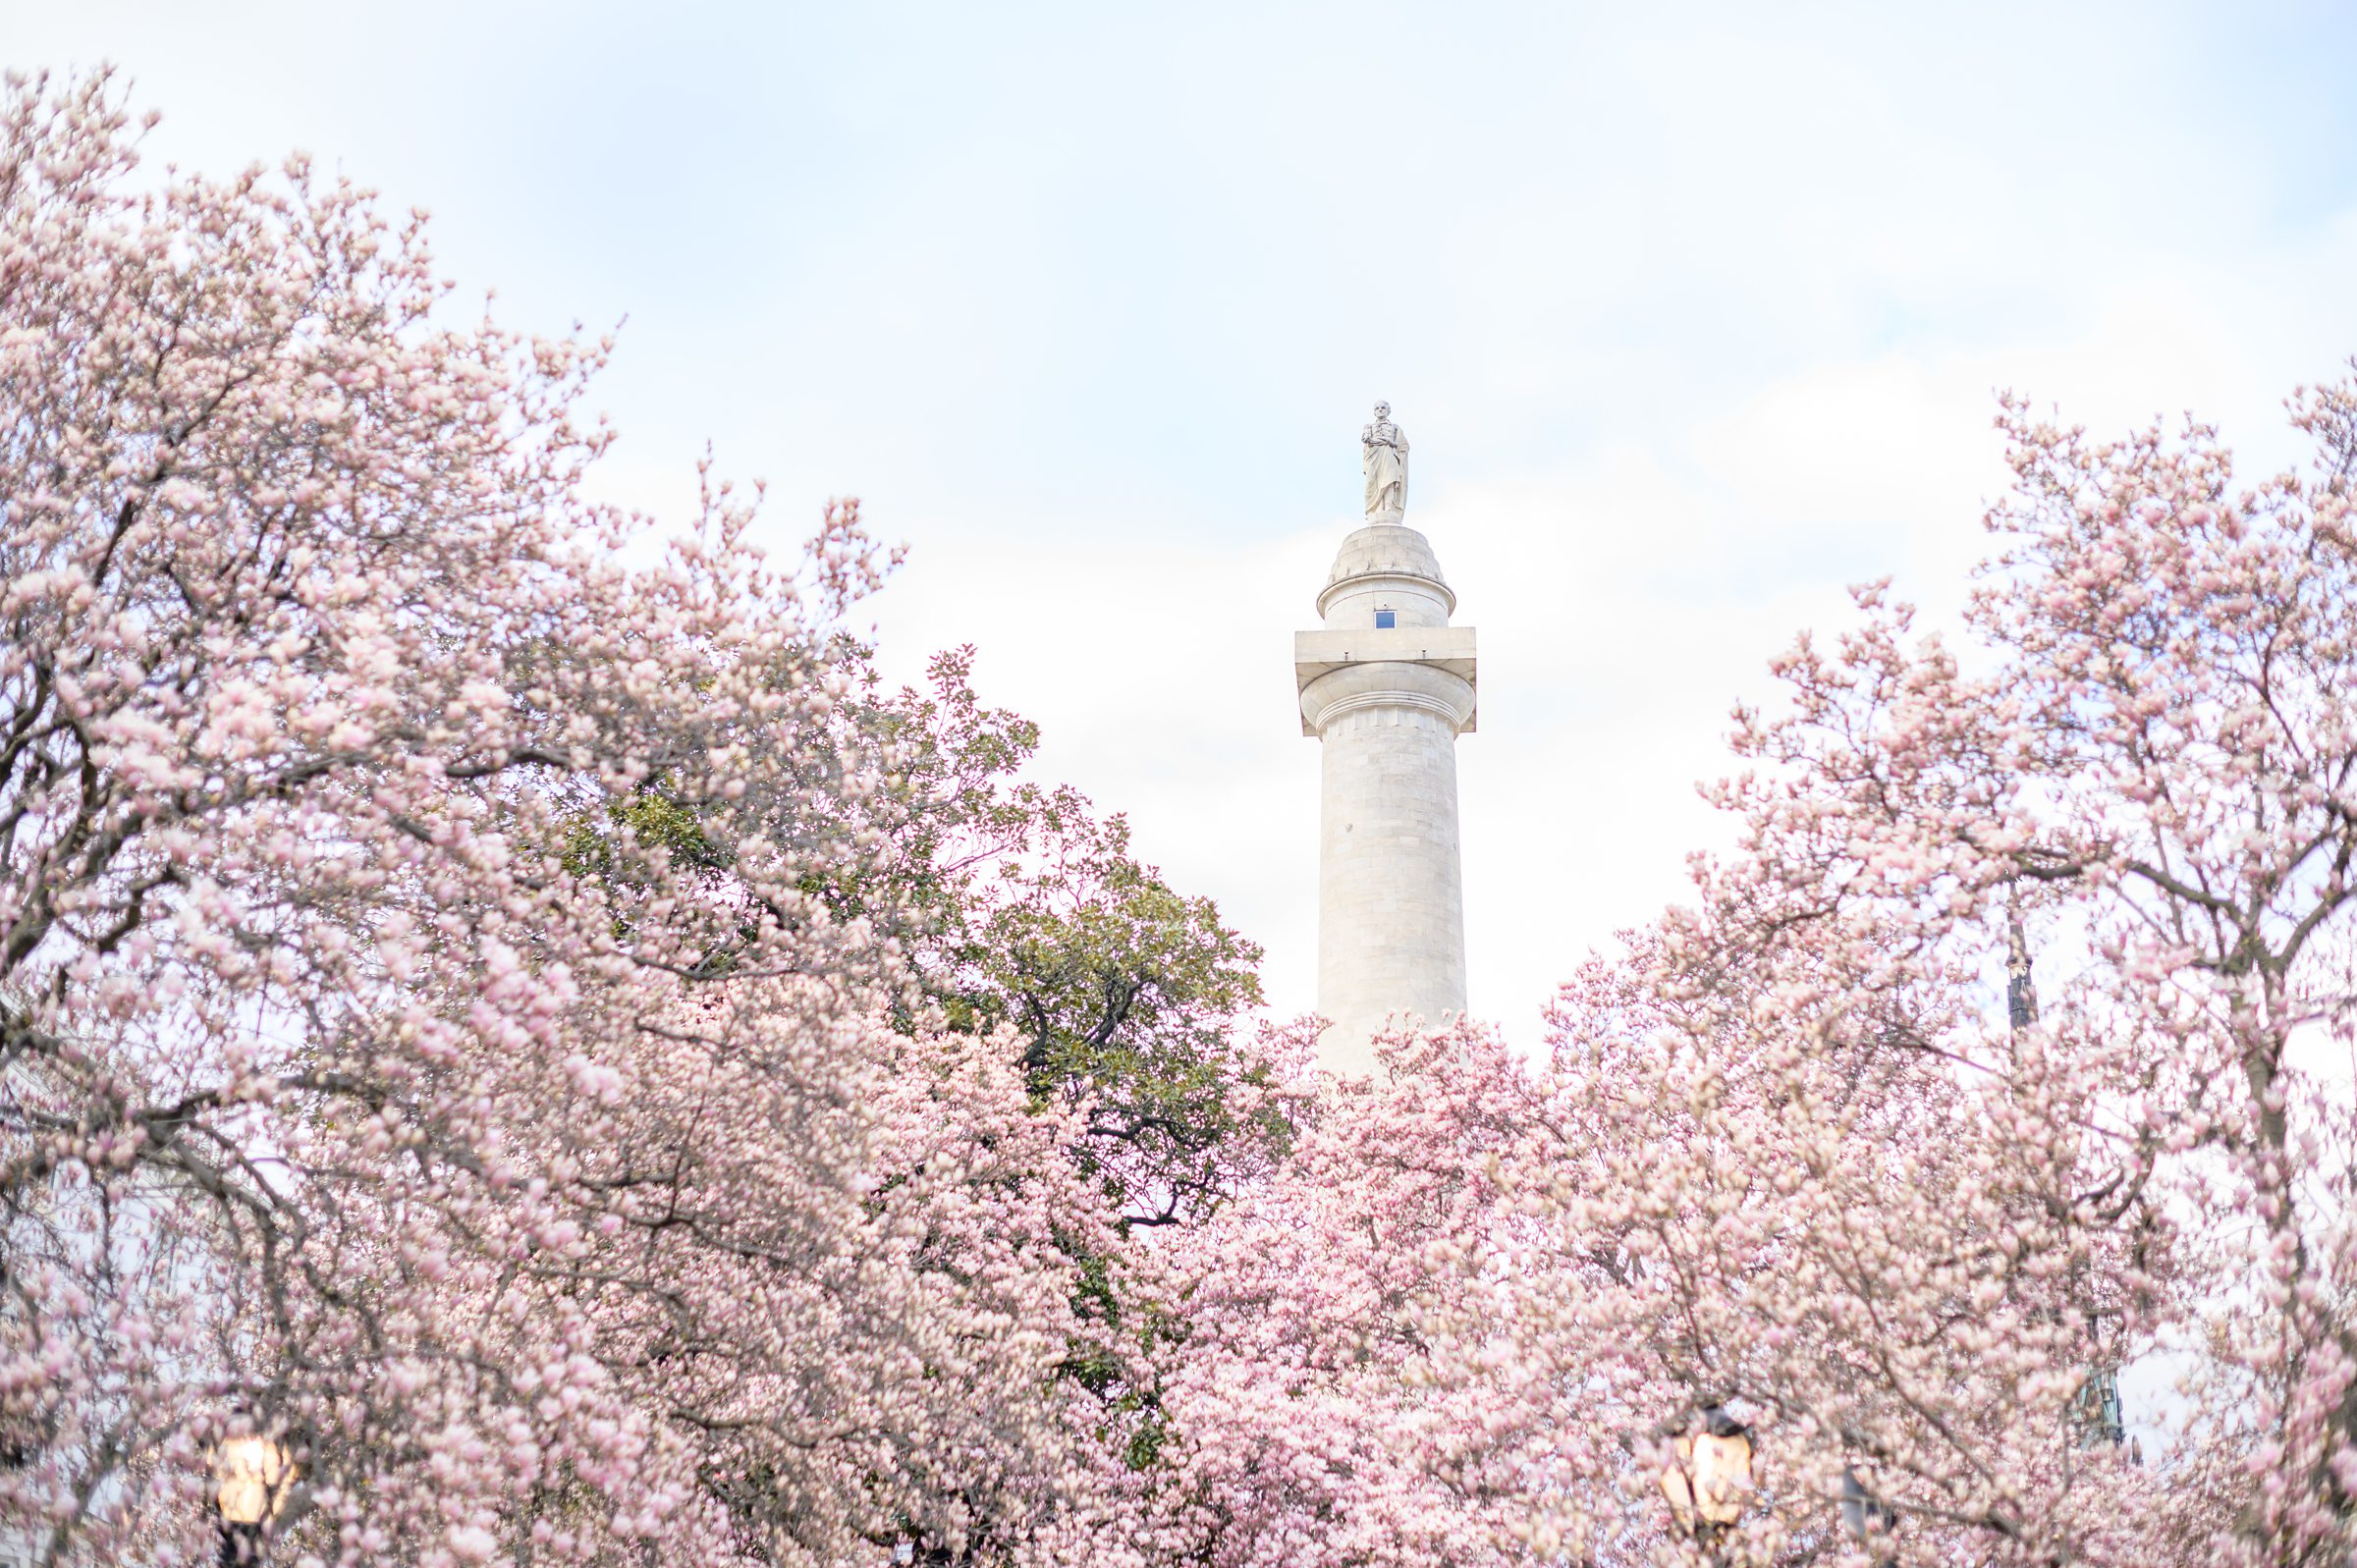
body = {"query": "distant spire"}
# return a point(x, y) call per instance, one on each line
point(2021, 993)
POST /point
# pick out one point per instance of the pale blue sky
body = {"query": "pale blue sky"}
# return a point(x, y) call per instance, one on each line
point(1692, 314)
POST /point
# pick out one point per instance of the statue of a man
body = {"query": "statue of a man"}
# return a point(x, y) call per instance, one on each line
point(1384, 451)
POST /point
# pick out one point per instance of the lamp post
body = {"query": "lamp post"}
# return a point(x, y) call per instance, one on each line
point(1708, 1480)
point(252, 1477)
point(1868, 1519)
point(2096, 1412)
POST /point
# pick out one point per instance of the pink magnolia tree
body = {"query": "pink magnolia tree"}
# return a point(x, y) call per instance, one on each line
point(1315, 1405)
point(1800, 1165)
point(542, 1041)
point(434, 1032)
point(1921, 1232)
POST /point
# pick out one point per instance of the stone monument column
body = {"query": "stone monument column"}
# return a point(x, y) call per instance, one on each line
point(1387, 686)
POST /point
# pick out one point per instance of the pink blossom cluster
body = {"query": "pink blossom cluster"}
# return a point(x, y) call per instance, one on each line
point(1797, 1157)
point(459, 1022)
point(371, 1082)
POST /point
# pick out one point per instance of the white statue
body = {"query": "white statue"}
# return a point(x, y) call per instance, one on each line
point(1385, 457)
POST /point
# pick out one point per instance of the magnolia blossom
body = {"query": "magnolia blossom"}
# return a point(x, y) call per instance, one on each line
point(552, 1177)
point(497, 1011)
point(1794, 1156)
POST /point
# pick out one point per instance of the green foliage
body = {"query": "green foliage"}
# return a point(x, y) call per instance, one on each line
point(1125, 994)
point(653, 820)
point(1026, 911)
point(1014, 905)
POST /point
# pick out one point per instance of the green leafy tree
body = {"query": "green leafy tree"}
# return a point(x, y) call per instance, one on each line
point(1022, 908)
point(1014, 905)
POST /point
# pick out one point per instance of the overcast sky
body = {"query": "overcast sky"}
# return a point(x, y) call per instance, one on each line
point(1692, 314)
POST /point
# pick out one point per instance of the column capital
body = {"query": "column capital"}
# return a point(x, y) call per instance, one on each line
point(1427, 668)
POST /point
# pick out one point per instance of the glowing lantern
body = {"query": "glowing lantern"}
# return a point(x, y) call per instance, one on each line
point(1708, 1481)
point(252, 1477)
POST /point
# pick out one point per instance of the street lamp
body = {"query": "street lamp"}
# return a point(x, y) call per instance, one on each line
point(1868, 1519)
point(1708, 1480)
point(252, 1477)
